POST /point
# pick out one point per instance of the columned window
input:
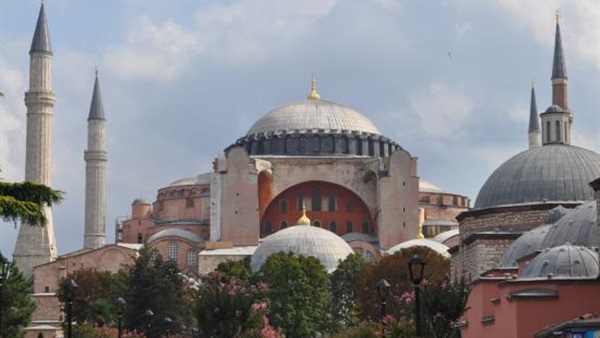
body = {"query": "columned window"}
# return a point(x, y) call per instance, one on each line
point(172, 251)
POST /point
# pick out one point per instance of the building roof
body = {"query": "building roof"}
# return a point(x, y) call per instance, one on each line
point(199, 179)
point(359, 236)
point(559, 70)
point(304, 240)
point(313, 114)
point(96, 107)
point(563, 262)
point(425, 186)
point(175, 233)
point(577, 227)
point(41, 36)
point(431, 244)
point(550, 173)
point(528, 243)
point(534, 120)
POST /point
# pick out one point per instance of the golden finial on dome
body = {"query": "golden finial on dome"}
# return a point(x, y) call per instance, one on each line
point(303, 220)
point(421, 221)
point(314, 94)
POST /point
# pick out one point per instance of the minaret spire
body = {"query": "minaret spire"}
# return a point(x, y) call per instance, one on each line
point(557, 119)
point(95, 173)
point(313, 94)
point(534, 122)
point(36, 244)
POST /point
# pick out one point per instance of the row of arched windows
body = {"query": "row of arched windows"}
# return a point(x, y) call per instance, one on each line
point(559, 132)
point(191, 256)
point(316, 203)
point(332, 226)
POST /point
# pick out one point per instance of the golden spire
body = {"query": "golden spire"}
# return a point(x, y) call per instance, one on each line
point(314, 94)
point(303, 220)
point(421, 220)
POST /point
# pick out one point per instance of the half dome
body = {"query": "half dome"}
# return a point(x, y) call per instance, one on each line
point(313, 115)
point(550, 173)
point(304, 240)
point(528, 243)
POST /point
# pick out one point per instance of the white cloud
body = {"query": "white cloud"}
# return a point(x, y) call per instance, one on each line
point(154, 51)
point(12, 123)
point(442, 111)
point(389, 5)
point(579, 24)
point(493, 156)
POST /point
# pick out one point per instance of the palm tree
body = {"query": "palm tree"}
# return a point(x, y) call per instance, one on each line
point(25, 202)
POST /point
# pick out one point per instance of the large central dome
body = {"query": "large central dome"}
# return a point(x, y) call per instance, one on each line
point(550, 173)
point(313, 115)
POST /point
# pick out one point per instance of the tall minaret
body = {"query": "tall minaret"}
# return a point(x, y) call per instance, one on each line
point(95, 174)
point(36, 244)
point(557, 119)
point(534, 120)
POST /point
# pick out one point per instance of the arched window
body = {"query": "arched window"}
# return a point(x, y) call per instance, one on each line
point(172, 251)
point(316, 199)
point(283, 206)
point(558, 131)
point(283, 225)
point(299, 202)
point(317, 224)
point(333, 227)
point(366, 254)
point(139, 238)
point(548, 131)
point(268, 227)
point(331, 203)
point(349, 227)
point(365, 227)
point(191, 258)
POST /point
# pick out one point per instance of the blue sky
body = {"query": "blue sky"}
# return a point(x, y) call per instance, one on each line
point(183, 79)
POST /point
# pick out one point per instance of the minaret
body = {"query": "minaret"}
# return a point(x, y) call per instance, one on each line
point(557, 119)
point(95, 174)
point(534, 121)
point(36, 244)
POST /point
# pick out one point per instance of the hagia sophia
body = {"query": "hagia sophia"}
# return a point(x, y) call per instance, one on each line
point(319, 178)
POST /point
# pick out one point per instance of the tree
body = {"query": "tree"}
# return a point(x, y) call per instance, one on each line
point(239, 269)
point(344, 306)
point(443, 304)
point(394, 268)
point(158, 286)
point(94, 299)
point(299, 294)
point(25, 202)
point(226, 306)
point(16, 305)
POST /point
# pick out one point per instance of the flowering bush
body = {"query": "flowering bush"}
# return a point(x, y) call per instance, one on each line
point(87, 331)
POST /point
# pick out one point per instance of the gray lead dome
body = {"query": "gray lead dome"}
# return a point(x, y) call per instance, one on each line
point(566, 261)
point(313, 114)
point(550, 173)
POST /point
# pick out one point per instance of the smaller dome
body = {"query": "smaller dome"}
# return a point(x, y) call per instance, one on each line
point(304, 240)
point(360, 237)
point(175, 233)
point(431, 244)
point(577, 227)
point(528, 243)
point(446, 235)
point(556, 214)
point(425, 186)
point(199, 179)
point(563, 262)
point(138, 201)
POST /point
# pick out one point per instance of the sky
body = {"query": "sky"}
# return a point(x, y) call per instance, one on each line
point(448, 80)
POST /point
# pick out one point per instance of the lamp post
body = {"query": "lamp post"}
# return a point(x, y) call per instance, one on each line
point(70, 287)
point(416, 265)
point(168, 322)
point(120, 304)
point(149, 313)
point(5, 272)
point(383, 292)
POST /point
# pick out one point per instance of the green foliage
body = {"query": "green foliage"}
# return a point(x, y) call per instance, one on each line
point(16, 305)
point(25, 202)
point(158, 286)
point(443, 303)
point(344, 307)
point(94, 298)
point(226, 306)
point(235, 269)
point(394, 268)
point(299, 294)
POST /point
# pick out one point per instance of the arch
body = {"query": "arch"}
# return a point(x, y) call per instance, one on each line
point(333, 227)
point(265, 190)
point(337, 193)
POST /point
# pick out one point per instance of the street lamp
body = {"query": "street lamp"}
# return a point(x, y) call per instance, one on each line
point(168, 322)
point(383, 292)
point(70, 287)
point(120, 304)
point(416, 265)
point(5, 272)
point(149, 313)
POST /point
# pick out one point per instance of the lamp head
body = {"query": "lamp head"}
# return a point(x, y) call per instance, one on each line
point(383, 289)
point(416, 265)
